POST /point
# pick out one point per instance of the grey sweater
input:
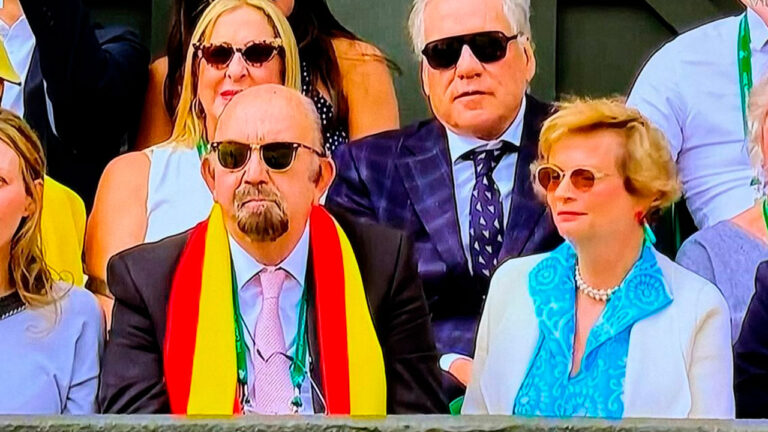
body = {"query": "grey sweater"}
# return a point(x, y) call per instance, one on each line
point(727, 256)
point(51, 366)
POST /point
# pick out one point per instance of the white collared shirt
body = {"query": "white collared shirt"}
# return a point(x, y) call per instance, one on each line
point(690, 90)
point(250, 298)
point(20, 44)
point(464, 172)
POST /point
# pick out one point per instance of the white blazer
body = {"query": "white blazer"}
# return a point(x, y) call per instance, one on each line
point(679, 363)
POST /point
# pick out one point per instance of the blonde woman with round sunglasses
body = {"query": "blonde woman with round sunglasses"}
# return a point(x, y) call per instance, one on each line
point(604, 325)
point(148, 195)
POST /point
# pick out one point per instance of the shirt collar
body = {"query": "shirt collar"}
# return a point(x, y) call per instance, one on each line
point(758, 32)
point(246, 267)
point(22, 27)
point(458, 145)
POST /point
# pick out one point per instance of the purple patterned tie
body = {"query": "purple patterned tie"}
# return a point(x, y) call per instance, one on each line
point(486, 214)
point(273, 390)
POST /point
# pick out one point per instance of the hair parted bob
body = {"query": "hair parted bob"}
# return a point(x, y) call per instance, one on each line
point(646, 163)
point(189, 125)
point(516, 11)
point(28, 272)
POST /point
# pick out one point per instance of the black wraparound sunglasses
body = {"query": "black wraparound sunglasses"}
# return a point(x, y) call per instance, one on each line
point(488, 47)
point(255, 53)
point(276, 156)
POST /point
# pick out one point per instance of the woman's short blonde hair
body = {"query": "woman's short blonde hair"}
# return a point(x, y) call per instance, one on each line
point(27, 270)
point(646, 163)
point(189, 125)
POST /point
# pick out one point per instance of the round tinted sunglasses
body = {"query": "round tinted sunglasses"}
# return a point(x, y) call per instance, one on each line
point(487, 47)
point(277, 156)
point(255, 53)
point(550, 176)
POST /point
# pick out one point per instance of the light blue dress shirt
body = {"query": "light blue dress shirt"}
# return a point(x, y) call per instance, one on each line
point(250, 297)
point(20, 43)
point(464, 172)
point(690, 90)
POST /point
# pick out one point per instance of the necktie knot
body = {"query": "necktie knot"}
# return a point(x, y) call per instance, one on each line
point(272, 281)
point(487, 159)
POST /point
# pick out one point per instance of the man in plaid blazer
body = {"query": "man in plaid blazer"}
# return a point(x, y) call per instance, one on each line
point(459, 184)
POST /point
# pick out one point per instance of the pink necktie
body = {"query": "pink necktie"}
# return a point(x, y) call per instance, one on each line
point(273, 390)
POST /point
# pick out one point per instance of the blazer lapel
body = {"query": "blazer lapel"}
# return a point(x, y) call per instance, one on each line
point(526, 209)
point(428, 179)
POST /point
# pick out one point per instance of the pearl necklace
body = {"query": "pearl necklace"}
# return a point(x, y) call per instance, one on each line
point(594, 293)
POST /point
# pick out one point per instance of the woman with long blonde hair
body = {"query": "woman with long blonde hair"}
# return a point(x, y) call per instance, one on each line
point(148, 195)
point(56, 328)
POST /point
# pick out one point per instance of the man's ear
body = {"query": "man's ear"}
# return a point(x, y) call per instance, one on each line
point(530, 59)
point(423, 71)
point(326, 177)
point(209, 175)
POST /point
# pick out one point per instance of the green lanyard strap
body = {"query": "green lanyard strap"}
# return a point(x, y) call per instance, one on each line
point(201, 147)
point(297, 369)
point(745, 68)
point(765, 212)
point(242, 366)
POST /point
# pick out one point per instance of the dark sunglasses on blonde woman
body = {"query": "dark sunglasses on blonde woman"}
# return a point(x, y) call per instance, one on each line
point(276, 156)
point(254, 53)
point(550, 176)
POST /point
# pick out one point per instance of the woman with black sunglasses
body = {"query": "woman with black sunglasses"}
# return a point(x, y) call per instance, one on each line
point(604, 325)
point(347, 79)
point(148, 195)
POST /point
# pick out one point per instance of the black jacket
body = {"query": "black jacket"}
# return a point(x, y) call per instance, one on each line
point(140, 279)
point(95, 79)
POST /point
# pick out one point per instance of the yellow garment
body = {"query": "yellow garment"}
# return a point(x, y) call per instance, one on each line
point(6, 68)
point(63, 231)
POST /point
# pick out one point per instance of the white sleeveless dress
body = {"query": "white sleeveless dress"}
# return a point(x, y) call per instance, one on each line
point(177, 197)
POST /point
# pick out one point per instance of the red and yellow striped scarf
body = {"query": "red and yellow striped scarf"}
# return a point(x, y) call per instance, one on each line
point(200, 361)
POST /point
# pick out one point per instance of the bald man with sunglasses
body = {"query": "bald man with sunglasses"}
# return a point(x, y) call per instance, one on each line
point(460, 183)
point(305, 309)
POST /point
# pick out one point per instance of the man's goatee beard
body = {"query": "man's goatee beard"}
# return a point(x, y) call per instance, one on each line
point(266, 224)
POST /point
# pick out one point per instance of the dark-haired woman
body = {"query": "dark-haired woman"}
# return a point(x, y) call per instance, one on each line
point(347, 79)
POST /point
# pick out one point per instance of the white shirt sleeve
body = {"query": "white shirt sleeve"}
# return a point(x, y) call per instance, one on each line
point(656, 94)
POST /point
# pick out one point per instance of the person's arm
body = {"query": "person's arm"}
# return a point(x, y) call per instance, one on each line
point(81, 397)
point(155, 125)
point(656, 94)
point(98, 75)
point(349, 191)
point(474, 402)
point(414, 383)
point(694, 256)
point(367, 83)
point(132, 370)
point(710, 371)
point(751, 353)
point(119, 216)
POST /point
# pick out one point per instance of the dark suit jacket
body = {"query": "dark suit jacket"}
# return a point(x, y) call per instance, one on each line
point(140, 278)
point(95, 79)
point(751, 353)
point(404, 179)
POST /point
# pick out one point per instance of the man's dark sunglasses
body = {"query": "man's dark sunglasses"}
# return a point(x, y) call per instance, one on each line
point(277, 156)
point(488, 47)
point(254, 53)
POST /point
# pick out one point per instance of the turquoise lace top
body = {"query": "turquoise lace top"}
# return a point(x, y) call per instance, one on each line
point(597, 389)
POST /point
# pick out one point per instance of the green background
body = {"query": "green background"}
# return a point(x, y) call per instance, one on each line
point(583, 47)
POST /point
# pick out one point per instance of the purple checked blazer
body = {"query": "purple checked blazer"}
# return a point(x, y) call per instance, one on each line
point(403, 178)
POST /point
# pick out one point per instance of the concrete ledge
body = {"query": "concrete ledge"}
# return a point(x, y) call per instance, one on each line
point(135, 423)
